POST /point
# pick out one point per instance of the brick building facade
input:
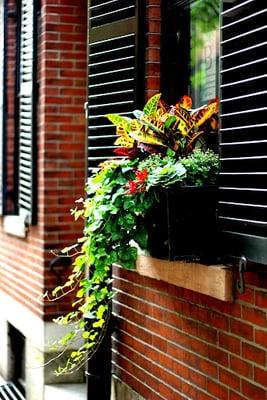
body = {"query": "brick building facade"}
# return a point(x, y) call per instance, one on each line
point(25, 262)
point(170, 343)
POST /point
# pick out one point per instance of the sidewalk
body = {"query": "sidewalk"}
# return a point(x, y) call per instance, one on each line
point(66, 391)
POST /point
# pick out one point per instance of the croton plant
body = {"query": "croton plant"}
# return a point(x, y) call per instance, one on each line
point(160, 147)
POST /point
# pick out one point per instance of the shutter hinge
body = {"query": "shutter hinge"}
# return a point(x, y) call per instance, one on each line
point(85, 106)
point(242, 267)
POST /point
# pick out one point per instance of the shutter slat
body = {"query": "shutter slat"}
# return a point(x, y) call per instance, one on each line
point(113, 76)
point(246, 34)
point(27, 139)
point(244, 204)
point(243, 184)
point(108, 12)
point(241, 20)
point(114, 60)
point(244, 143)
point(111, 94)
point(245, 49)
point(237, 7)
point(110, 104)
point(108, 73)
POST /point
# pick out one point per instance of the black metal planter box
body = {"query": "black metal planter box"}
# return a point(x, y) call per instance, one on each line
point(182, 226)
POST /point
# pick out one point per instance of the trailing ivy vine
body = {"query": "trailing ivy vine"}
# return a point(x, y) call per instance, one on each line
point(113, 228)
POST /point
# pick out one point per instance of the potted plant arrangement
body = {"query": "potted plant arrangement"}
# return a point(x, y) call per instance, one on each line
point(162, 151)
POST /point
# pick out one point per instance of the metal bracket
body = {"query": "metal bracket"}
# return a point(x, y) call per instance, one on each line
point(242, 267)
point(58, 265)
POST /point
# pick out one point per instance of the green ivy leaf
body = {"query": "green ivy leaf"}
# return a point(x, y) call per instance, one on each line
point(141, 238)
point(99, 323)
point(101, 311)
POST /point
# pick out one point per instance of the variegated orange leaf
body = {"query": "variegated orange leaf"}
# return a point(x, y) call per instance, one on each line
point(121, 131)
point(185, 102)
point(153, 123)
point(202, 115)
point(143, 134)
point(147, 138)
point(124, 142)
point(189, 145)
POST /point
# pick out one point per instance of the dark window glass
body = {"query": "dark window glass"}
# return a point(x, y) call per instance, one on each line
point(190, 50)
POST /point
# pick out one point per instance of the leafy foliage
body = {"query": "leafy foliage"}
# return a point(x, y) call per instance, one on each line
point(113, 219)
point(118, 197)
point(202, 168)
point(160, 128)
point(163, 171)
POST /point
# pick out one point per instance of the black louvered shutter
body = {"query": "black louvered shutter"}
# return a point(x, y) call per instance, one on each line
point(114, 68)
point(27, 114)
point(243, 182)
point(2, 102)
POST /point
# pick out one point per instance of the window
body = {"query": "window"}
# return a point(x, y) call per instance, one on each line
point(243, 186)
point(190, 42)
point(191, 65)
point(115, 82)
point(19, 123)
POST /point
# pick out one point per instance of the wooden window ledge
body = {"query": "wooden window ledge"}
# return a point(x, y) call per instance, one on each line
point(212, 280)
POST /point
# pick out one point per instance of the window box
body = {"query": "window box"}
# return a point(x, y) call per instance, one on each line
point(183, 224)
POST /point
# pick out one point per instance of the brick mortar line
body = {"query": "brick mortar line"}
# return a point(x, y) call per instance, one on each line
point(241, 377)
point(115, 377)
point(10, 249)
point(165, 354)
point(28, 271)
point(227, 369)
point(167, 309)
point(31, 248)
point(217, 346)
point(180, 377)
point(32, 292)
point(190, 302)
point(171, 311)
point(24, 298)
point(260, 289)
point(142, 369)
point(170, 341)
point(137, 379)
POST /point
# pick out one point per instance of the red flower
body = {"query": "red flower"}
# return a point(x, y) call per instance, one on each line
point(138, 185)
point(132, 187)
point(141, 176)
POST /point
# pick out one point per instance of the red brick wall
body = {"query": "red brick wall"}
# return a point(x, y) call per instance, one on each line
point(172, 343)
point(153, 46)
point(25, 272)
point(62, 125)
point(20, 260)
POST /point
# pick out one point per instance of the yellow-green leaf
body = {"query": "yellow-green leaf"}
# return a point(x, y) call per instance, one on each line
point(100, 311)
point(117, 119)
point(99, 324)
point(152, 104)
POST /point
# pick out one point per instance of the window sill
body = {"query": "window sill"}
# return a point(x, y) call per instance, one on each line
point(16, 225)
point(212, 280)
